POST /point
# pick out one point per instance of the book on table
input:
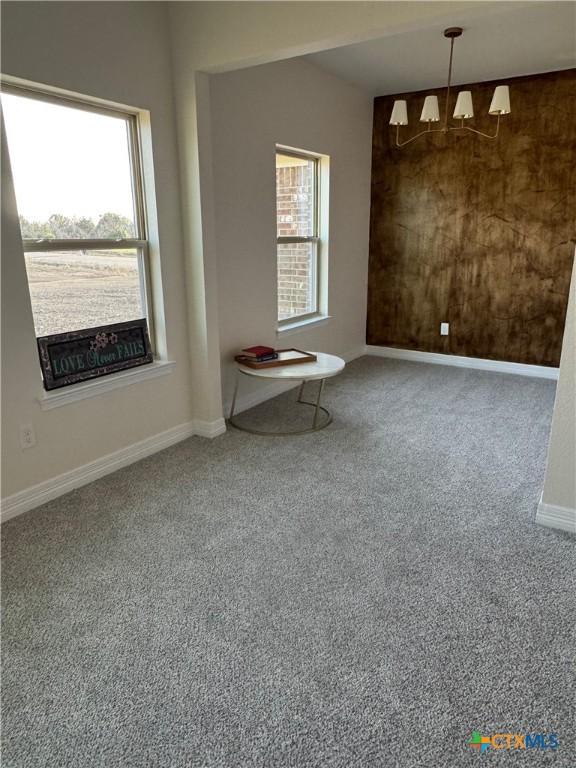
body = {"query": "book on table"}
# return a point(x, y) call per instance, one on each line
point(282, 357)
point(259, 352)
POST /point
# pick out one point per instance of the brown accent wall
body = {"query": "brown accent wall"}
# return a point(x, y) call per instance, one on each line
point(473, 232)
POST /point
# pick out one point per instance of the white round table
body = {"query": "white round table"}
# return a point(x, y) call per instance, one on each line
point(323, 368)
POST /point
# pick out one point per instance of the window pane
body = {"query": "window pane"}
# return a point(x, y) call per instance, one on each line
point(71, 169)
point(296, 279)
point(295, 182)
point(71, 290)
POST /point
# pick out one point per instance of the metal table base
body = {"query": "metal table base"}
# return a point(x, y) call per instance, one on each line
point(317, 422)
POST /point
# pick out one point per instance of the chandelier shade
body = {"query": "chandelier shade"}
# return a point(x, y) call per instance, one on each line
point(500, 101)
point(430, 110)
point(399, 114)
point(464, 109)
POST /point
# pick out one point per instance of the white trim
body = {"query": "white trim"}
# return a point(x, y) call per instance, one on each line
point(46, 90)
point(353, 354)
point(59, 397)
point(93, 470)
point(499, 366)
point(302, 325)
point(209, 429)
point(552, 516)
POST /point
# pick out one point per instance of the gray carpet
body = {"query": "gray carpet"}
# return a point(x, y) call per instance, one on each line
point(363, 597)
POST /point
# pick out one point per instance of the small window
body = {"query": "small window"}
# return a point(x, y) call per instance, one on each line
point(76, 170)
point(297, 230)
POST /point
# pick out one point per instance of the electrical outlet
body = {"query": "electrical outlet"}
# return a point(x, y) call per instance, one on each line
point(444, 329)
point(27, 436)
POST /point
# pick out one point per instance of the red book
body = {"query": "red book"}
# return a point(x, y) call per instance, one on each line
point(258, 351)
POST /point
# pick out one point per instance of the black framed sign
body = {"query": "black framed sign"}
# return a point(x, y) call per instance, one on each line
point(67, 358)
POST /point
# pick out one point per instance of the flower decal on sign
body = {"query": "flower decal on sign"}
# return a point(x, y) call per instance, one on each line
point(102, 340)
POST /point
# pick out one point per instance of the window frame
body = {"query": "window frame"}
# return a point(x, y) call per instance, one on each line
point(140, 243)
point(315, 238)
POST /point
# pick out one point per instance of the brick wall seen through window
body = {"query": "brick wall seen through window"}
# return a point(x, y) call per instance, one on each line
point(296, 218)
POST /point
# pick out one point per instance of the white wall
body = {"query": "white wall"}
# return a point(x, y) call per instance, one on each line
point(560, 482)
point(223, 36)
point(216, 37)
point(295, 104)
point(120, 52)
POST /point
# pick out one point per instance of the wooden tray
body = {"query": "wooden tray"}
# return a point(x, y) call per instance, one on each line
point(290, 356)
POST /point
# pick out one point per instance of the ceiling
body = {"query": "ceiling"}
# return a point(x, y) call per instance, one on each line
point(506, 40)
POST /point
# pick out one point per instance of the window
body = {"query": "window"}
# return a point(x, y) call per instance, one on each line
point(76, 170)
point(297, 230)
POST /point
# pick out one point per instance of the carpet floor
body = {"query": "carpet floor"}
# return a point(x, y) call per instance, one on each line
point(361, 597)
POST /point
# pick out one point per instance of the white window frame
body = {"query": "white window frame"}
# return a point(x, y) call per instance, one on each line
point(140, 243)
point(315, 239)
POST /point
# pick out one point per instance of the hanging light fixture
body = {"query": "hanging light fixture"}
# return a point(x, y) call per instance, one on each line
point(463, 110)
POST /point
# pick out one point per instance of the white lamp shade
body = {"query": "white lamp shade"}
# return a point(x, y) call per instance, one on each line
point(399, 114)
point(500, 104)
point(464, 108)
point(430, 111)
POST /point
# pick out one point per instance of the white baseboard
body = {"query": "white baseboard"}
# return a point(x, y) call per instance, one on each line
point(268, 391)
point(354, 353)
point(209, 428)
point(499, 366)
point(552, 516)
point(28, 499)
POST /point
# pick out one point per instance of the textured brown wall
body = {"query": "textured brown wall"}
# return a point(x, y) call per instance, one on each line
point(474, 232)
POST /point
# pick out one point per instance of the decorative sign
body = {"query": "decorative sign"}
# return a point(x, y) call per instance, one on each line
point(67, 358)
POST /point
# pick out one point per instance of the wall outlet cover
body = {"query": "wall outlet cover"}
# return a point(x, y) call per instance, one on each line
point(444, 329)
point(27, 436)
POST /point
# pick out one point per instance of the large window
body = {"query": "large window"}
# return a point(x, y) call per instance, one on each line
point(76, 170)
point(297, 229)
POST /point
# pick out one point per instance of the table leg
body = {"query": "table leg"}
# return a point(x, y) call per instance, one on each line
point(234, 395)
point(316, 405)
point(317, 409)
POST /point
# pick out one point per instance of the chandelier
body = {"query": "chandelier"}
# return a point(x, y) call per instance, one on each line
point(463, 110)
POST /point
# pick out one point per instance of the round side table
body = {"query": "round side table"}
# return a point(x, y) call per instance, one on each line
point(323, 368)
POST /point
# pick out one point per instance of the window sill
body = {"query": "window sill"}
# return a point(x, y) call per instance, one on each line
point(56, 398)
point(302, 325)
